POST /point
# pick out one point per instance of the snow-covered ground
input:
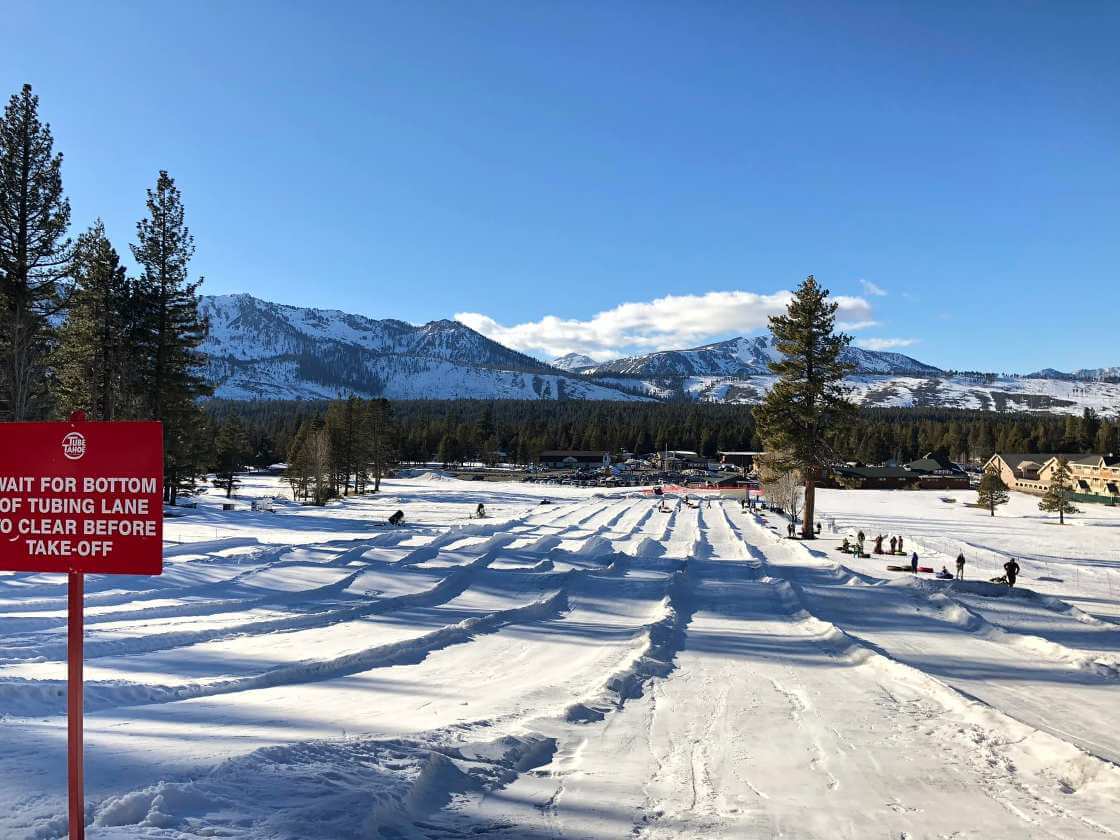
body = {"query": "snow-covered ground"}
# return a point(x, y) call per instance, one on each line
point(588, 668)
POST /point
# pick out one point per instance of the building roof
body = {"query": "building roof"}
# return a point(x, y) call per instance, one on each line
point(874, 472)
point(572, 453)
point(933, 462)
point(1097, 460)
point(1013, 459)
point(726, 452)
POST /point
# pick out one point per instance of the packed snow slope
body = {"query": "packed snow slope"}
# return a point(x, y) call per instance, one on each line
point(588, 668)
point(262, 350)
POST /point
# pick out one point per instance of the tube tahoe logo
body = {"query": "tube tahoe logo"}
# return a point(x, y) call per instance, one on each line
point(74, 446)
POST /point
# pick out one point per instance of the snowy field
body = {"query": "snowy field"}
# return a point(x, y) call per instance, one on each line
point(588, 668)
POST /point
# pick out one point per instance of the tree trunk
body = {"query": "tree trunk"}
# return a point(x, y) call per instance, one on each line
point(807, 510)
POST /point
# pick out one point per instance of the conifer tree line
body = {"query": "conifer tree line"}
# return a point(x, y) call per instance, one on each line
point(346, 450)
point(76, 331)
point(519, 430)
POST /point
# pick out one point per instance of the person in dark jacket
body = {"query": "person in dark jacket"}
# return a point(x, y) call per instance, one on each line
point(900, 551)
point(1011, 569)
point(860, 536)
point(960, 566)
point(894, 544)
point(397, 518)
point(914, 562)
point(480, 511)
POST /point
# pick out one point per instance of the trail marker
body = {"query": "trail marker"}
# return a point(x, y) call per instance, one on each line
point(81, 498)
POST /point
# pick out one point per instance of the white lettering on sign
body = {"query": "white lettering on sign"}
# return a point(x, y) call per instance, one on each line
point(81, 497)
point(74, 445)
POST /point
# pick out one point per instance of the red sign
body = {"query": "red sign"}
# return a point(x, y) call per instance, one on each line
point(82, 497)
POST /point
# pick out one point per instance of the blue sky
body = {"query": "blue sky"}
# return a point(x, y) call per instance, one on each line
point(533, 166)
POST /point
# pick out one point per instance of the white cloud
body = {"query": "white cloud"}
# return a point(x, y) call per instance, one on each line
point(668, 323)
point(884, 343)
point(872, 289)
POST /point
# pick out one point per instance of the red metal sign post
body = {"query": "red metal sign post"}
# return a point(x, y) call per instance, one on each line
point(81, 498)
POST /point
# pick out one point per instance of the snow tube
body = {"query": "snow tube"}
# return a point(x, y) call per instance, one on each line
point(925, 569)
point(898, 568)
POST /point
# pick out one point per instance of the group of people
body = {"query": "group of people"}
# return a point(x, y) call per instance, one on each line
point(896, 544)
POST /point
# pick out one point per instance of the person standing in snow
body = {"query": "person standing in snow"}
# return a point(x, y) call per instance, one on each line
point(860, 538)
point(894, 544)
point(480, 511)
point(900, 551)
point(1011, 568)
point(879, 544)
point(960, 566)
point(914, 562)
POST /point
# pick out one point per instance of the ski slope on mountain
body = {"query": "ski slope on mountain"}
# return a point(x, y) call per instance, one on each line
point(586, 668)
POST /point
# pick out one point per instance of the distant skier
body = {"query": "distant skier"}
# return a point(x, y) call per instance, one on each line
point(914, 562)
point(397, 518)
point(1011, 569)
point(960, 566)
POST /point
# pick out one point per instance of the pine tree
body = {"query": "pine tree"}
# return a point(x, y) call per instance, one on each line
point(34, 253)
point(298, 472)
point(1057, 496)
point(93, 356)
point(1090, 426)
point(382, 439)
point(319, 461)
point(992, 490)
point(1108, 439)
point(171, 329)
point(231, 451)
point(347, 443)
point(808, 400)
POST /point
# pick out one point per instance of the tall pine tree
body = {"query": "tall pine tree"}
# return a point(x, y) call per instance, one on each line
point(171, 330)
point(1057, 497)
point(34, 253)
point(93, 357)
point(992, 491)
point(382, 439)
point(808, 400)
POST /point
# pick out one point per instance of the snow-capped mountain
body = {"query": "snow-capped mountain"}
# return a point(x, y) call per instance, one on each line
point(262, 350)
point(573, 362)
point(1082, 375)
point(746, 357)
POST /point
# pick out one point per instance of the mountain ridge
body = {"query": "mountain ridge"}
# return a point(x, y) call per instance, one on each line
point(263, 350)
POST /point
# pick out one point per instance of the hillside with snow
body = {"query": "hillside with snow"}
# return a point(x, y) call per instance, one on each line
point(262, 350)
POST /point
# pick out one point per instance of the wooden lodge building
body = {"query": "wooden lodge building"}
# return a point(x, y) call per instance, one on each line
point(1095, 478)
point(934, 471)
